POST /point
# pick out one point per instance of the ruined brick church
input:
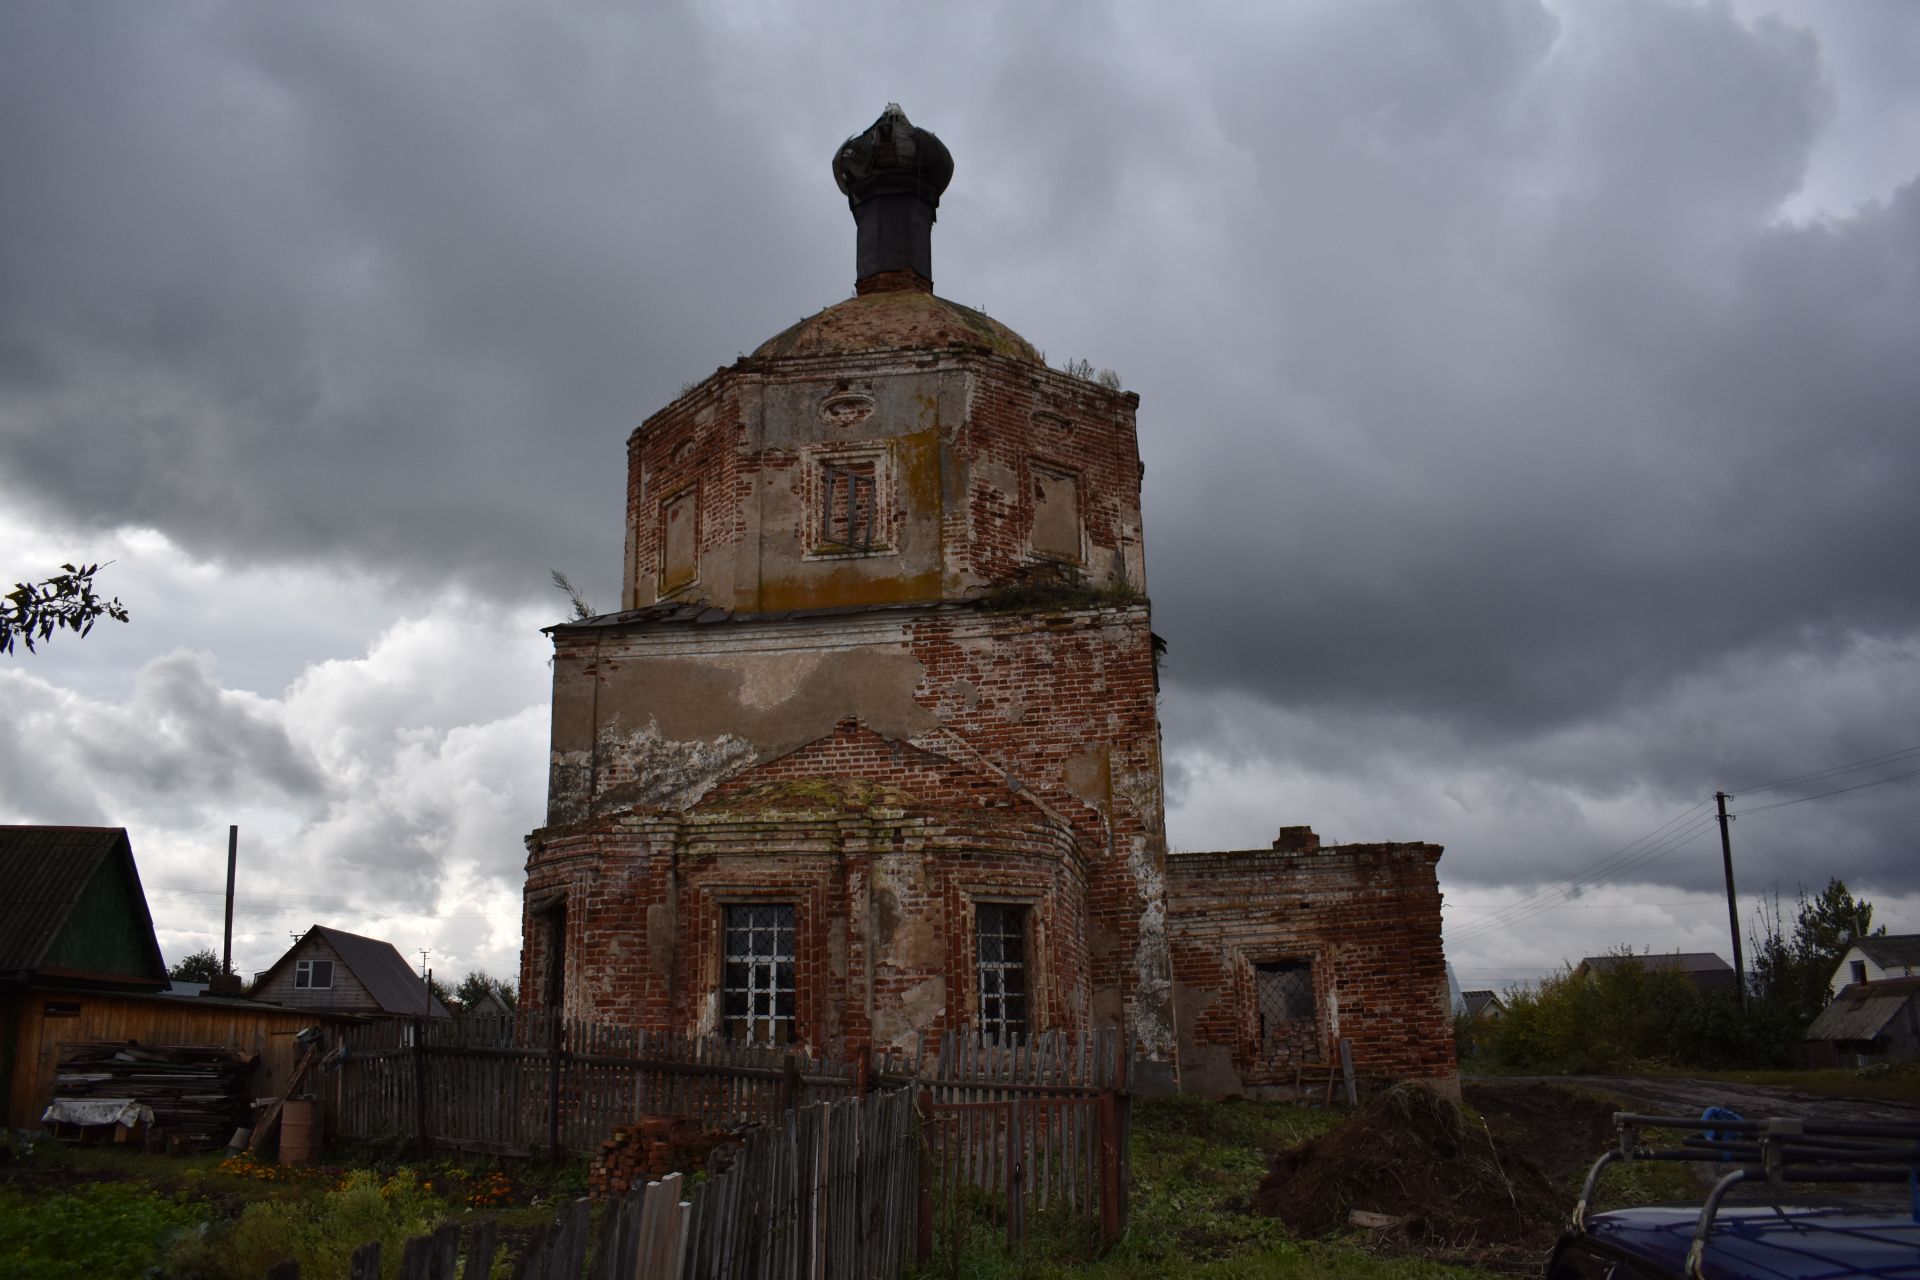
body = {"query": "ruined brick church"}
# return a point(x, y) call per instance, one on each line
point(871, 749)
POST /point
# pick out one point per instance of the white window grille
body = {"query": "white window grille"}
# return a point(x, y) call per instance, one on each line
point(757, 985)
point(1000, 945)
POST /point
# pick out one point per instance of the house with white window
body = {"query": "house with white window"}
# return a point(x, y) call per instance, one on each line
point(333, 971)
point(1877, 959)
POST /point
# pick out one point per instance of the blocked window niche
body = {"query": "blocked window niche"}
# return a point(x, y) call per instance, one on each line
point(757, 995)
point(848, 504)
point(1056, 514)
point(1000, 948)
point(679, 540)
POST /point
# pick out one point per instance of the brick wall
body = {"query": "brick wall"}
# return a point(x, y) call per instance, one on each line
point(1055, 709)
point(1365, 916)
point(881, 848)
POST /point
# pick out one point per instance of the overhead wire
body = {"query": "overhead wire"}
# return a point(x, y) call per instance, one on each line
point(1654, 844)
point(1566, 890)
point(1818, 774)
point(1625, 851)
point(1838, 791)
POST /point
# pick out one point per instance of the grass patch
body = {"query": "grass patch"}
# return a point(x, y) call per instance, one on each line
point(103, 1213)
point(1196, 1165)
point(99, 1230)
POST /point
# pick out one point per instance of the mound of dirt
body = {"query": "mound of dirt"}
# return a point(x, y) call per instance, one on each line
point(1436, 1180)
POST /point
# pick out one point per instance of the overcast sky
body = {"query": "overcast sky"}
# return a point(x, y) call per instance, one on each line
point(1530, 397)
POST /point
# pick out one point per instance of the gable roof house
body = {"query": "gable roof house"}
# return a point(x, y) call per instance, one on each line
point(334, 971)
point(1704, 970)
point(72, 911)
point(1482, 1006)
point(1875, 959)
point(79, 963)
point(489, 1005)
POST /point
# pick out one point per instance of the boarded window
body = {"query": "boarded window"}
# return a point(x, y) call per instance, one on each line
point(1284, 993)
point(1000, 938)
point(1056, 515)
point(757, 982)
point(679, 540)
point(315, 975)
point(849, 506)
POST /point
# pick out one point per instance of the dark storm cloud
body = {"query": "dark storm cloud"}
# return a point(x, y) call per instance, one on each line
point(1581, 431)
point(1510, 453)
point(385, 283)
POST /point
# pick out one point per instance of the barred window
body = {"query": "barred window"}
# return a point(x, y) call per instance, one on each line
point(1000, 940)
point(847, 505)
point(757, 990)
point(1284, 990)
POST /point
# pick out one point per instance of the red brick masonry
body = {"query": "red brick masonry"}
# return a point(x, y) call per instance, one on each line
point(1366, 917)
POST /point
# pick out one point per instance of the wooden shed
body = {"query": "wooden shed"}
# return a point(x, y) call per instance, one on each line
point(79, 963)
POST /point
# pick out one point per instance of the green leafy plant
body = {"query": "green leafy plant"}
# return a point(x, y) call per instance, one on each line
point(320, 1233)
point(66, 601)
point(102, 1230)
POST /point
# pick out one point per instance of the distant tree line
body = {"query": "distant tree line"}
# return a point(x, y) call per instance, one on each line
point(1639, 1012)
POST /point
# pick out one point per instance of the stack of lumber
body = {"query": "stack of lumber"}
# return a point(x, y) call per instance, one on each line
point(199, 1094)
point(650, 1149)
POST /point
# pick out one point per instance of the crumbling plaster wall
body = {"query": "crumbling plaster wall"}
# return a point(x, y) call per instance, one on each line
point(957, 434)
point(1057, 708)
point(883, 850)
point(1367, 916)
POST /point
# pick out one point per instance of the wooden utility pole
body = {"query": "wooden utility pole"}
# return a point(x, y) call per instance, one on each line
point(1733, 910)
point(233, 861)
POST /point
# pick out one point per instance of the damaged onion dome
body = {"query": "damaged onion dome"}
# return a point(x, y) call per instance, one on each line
point(893, 156)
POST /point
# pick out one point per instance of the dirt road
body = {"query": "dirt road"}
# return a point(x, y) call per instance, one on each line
point(1663, 1095)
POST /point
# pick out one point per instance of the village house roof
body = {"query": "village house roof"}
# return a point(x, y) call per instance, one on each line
point(1862, 1010)
point(1474, 1003)
point(382, 970)
point(1891, 950)
point(72, 909)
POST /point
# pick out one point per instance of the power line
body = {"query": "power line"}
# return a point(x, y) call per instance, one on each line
point(1667, 838)
point(1818, 774)
point(1573, 906)
point(1838, 791)
point(1622, 862)
point(1624, 855)
point(1570, 889)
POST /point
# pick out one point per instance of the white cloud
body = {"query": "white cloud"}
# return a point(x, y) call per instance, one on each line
point(385, 792)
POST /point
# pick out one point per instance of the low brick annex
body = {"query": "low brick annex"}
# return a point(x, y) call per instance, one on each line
point(871, 749)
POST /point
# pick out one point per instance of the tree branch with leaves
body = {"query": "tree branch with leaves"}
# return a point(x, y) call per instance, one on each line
point(65, 602)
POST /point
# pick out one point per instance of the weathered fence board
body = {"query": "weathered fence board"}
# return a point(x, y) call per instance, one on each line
point(540, 1084)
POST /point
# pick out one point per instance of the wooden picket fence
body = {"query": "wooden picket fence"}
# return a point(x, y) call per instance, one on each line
point(1034, 1125)
point(827, 1192)
point(1039, 1123)
point(516, 1086)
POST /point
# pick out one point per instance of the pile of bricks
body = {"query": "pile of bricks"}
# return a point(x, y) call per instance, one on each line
point(651, 1148)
